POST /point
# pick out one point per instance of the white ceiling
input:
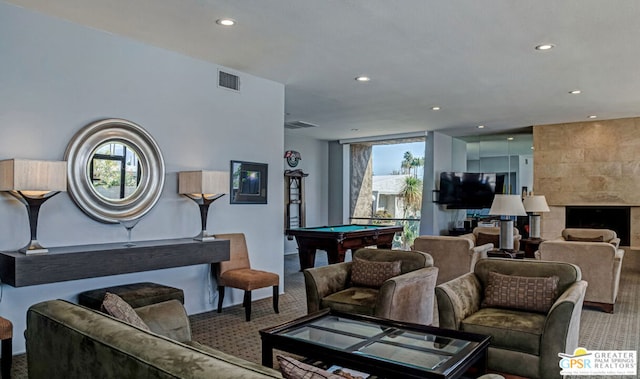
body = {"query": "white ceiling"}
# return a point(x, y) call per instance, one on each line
point(475, 59)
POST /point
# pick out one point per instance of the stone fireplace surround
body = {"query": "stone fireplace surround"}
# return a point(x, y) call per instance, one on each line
point(594, 163)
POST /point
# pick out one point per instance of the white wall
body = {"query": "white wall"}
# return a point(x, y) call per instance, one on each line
point(56, 77)
point(338, 183)
point(437, 158)
point(315, 154)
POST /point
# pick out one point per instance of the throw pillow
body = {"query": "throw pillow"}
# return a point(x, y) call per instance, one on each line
point(585, 239)
point(484, 238)
point(535, 294)
point(120, 309)
point(373, 273)
point(293, 369)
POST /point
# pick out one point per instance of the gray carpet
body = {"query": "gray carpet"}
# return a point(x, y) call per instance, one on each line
point(229, 332)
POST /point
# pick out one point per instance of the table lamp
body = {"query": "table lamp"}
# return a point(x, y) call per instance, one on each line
point(534, 205)
point(203, 187)
point(506, 206)
point(33, 182)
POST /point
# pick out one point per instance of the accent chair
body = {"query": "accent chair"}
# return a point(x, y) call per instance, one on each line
point(453, 256)
point(237, 273)
point(591, 235)
point(491, 234)
point(530, 308)
point(391, 284)
point(597, 254)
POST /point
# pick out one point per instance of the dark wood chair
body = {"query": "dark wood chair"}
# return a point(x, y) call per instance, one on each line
point(237, 273)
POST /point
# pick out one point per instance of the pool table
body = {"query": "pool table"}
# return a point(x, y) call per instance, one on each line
point(337, 239)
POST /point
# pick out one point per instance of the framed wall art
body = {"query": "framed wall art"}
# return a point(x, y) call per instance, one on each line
point(248, 183)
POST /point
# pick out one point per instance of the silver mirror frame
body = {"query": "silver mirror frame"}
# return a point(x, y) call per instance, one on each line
point(79, 153)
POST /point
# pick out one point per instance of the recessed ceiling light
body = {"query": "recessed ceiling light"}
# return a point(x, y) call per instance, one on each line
point(480, 126)
point(509, 138)
point(545, 46)
point(436, 108)
point(226, 22)
point(593, 116)
point(363, 78)
point(575, 92)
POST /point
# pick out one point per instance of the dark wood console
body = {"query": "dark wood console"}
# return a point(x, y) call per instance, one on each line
point(90, 261)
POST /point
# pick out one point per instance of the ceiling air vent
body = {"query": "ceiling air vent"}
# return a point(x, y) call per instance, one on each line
point(298, 125)
point(229, 81)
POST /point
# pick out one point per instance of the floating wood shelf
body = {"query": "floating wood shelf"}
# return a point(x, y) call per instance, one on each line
point(90, 261)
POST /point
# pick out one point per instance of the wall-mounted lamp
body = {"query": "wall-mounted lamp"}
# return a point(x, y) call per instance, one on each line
point(534, 205)
point(33, 183)
point(507, 206)
point(203, 187)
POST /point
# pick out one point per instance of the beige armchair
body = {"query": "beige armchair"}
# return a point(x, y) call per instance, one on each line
point(491, 234)
point(453, 256)
point(527, 332)
point(591, 235)
point(408, 296)
point(600, 262)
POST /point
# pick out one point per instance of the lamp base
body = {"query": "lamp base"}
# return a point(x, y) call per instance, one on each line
point(203, 203)
point(534, 226)
point(34, 247)
point(33, 205)
point(204, 237)
point(506, 235)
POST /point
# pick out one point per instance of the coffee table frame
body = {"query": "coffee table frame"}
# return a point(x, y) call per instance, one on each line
point(473, 355)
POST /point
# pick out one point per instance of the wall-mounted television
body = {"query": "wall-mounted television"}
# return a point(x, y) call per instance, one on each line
point(468, 190)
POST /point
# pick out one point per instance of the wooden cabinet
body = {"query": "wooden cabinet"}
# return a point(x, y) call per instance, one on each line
point(530, 246)
point(294, 199)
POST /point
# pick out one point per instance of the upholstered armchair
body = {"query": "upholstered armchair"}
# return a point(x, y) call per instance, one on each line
point(491, 234)
point(453, 256)
point(391, 284)
point(600, 262)
point(530, 308)
point(590, 235)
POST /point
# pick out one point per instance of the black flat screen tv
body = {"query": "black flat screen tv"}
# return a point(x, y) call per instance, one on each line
point(467, 190)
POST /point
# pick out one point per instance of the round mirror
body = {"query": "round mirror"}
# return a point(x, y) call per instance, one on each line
point(115, 170)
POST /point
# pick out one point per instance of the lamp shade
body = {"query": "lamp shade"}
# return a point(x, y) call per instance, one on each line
point(33, 176)
point(507, 205)
point(207, 183)
point(535, 204)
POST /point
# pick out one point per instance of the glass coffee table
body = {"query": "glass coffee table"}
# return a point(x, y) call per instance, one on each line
point(379, 347)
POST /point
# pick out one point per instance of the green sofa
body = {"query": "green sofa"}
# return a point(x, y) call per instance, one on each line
point(65, 340)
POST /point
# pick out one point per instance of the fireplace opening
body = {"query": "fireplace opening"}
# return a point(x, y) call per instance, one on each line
point(601, 217)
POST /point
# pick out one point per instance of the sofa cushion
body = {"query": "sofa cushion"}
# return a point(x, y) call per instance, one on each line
point(361, 300)
point(535, 294)
point(118, 308)
point(484, 238)
point(294, 369)
point(585, 239)
point(373, 273)
point(509, 329)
